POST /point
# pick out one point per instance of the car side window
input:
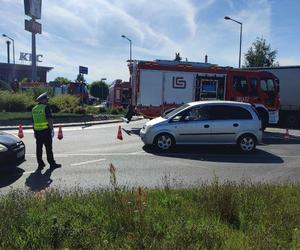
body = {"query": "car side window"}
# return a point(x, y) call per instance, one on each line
point(196, 114)
point(179, 117)
point(223, 112)
point(239, 113)
point(218, 112)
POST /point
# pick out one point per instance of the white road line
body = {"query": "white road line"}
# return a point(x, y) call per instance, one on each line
point(93, 154)
point(28, 172)
point(86, 162)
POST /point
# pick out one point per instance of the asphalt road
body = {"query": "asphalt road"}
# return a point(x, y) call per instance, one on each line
point(86, 152)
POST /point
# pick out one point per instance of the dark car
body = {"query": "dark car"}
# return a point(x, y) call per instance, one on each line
point(12, 149)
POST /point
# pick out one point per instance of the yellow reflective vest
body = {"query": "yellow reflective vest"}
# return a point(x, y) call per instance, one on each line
point(39, 117)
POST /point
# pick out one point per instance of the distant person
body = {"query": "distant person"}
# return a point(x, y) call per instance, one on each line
point(130, 113)
point(43, 131)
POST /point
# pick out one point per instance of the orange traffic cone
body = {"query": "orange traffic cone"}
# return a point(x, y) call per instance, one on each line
point(60, 133)
point(20, 133)
point(286, 135)
point(120, 137)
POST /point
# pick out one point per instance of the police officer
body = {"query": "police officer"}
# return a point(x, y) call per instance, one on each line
point(43, 131)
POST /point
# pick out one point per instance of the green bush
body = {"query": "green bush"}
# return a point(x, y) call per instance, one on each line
point(35, 92)
point(114, 111)
point(92, 110)
point(80, 110)
point(102, 110)
point(15, 102)
point(64, 103)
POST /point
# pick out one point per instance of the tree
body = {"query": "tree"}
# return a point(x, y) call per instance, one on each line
point(62, 80)
point(260, 54)
point(99, 89)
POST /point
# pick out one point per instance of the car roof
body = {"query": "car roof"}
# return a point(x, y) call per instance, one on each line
point(219, 102)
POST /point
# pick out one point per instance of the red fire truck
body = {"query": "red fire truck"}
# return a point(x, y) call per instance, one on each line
point(80, 90)
point(119, 94)
point(160, 85)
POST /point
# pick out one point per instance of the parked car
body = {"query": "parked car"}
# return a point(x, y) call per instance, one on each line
point(206, 122)
point(11, 148)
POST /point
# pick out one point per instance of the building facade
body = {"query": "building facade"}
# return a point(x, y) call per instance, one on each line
point(11, 72)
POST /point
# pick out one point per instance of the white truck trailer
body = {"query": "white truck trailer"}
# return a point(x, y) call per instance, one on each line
point(289, 82)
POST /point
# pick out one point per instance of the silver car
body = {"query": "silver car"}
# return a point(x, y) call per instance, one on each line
point(206, 122)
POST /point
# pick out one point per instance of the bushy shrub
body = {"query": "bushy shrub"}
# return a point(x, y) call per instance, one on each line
point(114, 111)
point(64, 103)
point(92, 110)
point(35, 92)
point(102, 110)
point(15, 102)
point(80, 110)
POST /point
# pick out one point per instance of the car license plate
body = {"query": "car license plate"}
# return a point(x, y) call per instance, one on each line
point(21, 153)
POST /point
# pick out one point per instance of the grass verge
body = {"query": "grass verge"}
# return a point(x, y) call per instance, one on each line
point(215, 216)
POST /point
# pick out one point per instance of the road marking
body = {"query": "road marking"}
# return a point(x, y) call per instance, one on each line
point(94, 154)
point(86, 162)
point(28, 172)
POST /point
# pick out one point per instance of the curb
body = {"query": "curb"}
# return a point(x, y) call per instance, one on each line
point(74, 124)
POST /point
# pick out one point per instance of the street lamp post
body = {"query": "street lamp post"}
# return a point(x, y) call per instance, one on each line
point(241, 31)
point(130, 43)
point(130, 46)
point(102, 80)
point(8, 54)
point(13, 43)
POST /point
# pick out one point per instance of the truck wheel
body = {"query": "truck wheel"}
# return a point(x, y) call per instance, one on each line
point(164, 141)
point(247, 143)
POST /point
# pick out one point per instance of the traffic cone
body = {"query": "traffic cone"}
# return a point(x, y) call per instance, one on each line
point(20, 133)
point(60, 133)
point(286, 135)
point(120, 137)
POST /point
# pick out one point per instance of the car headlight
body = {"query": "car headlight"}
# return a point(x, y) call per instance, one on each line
point(3, 148)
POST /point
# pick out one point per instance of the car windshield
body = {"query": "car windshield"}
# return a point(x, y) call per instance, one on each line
point(175, 111)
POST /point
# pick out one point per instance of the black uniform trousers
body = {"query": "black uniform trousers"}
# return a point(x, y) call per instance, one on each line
point(44, 137)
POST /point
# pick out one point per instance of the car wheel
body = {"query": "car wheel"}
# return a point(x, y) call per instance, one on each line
point(164, 141)
point(247, 143)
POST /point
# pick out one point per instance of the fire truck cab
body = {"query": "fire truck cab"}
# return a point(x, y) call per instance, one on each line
point(119, 94)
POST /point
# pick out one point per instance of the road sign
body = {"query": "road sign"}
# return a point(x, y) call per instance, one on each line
point(33, 8)
point(83, 70)
point(33, 26)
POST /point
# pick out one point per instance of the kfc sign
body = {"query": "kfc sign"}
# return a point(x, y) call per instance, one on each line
point(28, 58)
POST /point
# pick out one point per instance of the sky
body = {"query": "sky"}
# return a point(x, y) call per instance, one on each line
point(88, 32)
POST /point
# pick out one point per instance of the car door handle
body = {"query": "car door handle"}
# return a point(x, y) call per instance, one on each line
point(235, 125)
point(206, 126)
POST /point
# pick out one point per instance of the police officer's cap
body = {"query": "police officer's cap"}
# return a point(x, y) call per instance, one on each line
point(42, 96)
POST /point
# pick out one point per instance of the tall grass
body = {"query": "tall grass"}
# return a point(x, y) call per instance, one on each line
point(215, 216)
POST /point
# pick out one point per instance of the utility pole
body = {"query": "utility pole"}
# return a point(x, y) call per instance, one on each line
point(33, 56)
point(8, 53)
point(33, 8)
point(13, 44)
point(241, 31)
